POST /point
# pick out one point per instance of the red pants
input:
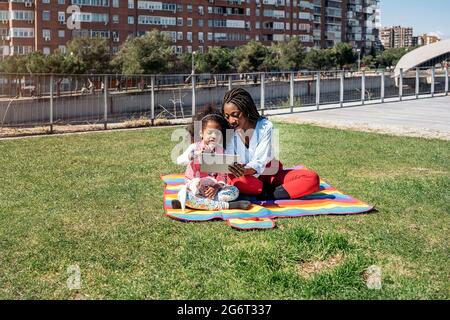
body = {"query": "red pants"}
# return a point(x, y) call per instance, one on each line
point(298, 183)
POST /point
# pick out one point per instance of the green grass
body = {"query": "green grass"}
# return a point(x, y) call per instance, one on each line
point(96, 201)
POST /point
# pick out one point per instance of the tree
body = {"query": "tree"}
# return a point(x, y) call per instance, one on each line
point(182, 63)
point(89, 55)
point(56, 63)
point(369, 62)
point(320, 59)
point(344, 54)
point(15, 64)
point(252, 57)
point(390, 57)
point(36, 62)
point(290, 55)
point(61, 63)
point(149, 54)
point(216, 60)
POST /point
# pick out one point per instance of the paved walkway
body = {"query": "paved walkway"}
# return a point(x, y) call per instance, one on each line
point(428, 118)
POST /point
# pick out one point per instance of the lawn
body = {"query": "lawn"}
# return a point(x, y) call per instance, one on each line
point(95, 201)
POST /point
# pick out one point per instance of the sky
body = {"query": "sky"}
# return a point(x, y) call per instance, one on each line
point(425, 16)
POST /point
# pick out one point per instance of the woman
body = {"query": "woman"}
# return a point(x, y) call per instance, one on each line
point(251, 139)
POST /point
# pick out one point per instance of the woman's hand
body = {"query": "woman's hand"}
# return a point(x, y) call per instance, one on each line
point(211, 192)
point(239, 170)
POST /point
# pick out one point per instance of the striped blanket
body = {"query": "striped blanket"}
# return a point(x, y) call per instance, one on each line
point(262, 214)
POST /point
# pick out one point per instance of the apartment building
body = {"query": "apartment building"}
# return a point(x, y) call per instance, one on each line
point(397, 37)
point(47, 25)
point(352, 21)
point(426, 39)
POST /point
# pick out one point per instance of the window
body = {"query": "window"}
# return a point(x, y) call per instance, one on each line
point(62, 48)
point(46, 34)
point(22, 32)
point(61, 33)
point(45, 1)
point(179, 21)
point(189, 22)
point(189, 8)
point(130, 20)
point(115, 3)
point(4, 15)
point(200, 10)
point(61, 1)
point(23, 15)
point(61, 16)
point(130, 4)
point(22, 49)
point(46, 50)
point(115, 18)
point(200, 22)
point(46, 15)
point(164, 21)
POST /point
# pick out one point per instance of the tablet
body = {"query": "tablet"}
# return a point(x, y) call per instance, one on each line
point(217, 163)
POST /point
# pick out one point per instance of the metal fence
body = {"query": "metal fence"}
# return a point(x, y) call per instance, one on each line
point(47, 100)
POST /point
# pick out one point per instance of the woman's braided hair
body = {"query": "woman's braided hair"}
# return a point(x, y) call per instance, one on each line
point(244, 101)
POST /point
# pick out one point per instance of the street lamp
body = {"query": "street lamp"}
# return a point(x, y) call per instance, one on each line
point(359, 59)
point(193, 62)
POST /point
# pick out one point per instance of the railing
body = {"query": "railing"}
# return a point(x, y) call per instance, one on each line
point(51, 99)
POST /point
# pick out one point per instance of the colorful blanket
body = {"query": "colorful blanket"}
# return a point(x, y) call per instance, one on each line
point(262, 214)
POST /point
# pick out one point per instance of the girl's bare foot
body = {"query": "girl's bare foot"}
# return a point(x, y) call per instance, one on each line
point(176, 204)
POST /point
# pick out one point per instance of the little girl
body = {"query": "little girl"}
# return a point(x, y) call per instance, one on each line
point(205, 190)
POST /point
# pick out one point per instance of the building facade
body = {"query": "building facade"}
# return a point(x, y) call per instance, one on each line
point(352, 21)
point(47, 25)
point(397, 37)
point(426, 39)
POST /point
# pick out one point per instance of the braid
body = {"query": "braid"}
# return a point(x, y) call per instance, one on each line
point(244, 101)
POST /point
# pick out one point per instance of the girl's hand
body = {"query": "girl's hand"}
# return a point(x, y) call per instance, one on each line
point(211, 192)
point(191, 155)
point(195, 154)
point(209, 148)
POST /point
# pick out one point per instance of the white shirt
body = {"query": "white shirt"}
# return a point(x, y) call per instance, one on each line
point(259, 152)
point(183, 160)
